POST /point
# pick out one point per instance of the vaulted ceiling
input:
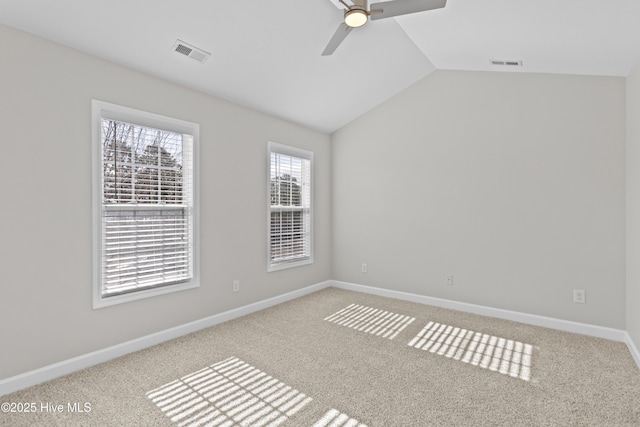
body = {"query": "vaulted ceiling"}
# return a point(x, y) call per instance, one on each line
point(266, 55)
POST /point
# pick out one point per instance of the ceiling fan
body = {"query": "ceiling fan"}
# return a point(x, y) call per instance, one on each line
point(358, 14)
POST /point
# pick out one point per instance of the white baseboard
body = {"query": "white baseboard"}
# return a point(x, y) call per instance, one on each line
point(37, 376)
point(531, 319)
point(633, 349)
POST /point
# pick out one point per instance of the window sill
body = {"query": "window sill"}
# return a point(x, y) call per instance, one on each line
point(288, 264)
point(101, 302)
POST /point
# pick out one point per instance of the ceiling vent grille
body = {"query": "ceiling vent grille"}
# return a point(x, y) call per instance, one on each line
point(190, 51)
point(507, 63)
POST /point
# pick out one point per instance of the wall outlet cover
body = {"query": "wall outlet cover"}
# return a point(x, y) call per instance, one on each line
point(579, 296)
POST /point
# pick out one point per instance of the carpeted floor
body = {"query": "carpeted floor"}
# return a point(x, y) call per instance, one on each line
point(341, 358)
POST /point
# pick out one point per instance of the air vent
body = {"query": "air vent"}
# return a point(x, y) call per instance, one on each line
point(507, 63)
point(191, 51)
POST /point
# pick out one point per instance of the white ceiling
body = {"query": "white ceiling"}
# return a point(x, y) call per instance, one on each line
point(266, 54)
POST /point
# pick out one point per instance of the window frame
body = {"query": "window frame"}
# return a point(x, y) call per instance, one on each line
point(274, 147)
point(104, 110)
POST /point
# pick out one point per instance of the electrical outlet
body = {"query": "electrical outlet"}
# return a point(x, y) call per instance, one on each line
point(579, 296)
point(236, 285)
point(449, 279)
point(364, 267)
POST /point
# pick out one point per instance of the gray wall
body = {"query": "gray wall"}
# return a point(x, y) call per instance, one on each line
point(633, 205)
point(45, 167)
point(512, 182)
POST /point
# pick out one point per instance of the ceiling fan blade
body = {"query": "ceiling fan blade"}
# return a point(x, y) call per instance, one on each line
point(340, 34)
point(387, 9)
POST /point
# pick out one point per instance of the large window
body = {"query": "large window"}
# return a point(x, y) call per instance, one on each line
point(145, 213)
point(289, 216)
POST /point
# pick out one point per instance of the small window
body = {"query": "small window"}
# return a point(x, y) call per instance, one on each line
point(145, 213)
point(290, 211)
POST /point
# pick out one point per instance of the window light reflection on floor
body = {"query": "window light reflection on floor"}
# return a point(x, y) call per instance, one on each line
point(497, 354)
point(335, 418)
point(371, 320)
point(227, 394)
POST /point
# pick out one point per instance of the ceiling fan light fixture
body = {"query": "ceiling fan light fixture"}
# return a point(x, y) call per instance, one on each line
point(355, 17)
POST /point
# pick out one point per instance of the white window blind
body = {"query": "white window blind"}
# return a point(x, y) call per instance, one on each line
point(146, 208)
point(290, 228)
point(147, 230)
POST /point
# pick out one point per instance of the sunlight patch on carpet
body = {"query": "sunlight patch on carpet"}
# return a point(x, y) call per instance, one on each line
point(371, 320)
point(226, 394)
point(497, 354)
point(334, 418)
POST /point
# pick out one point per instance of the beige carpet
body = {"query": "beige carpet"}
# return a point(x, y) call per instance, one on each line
point(340, 358)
